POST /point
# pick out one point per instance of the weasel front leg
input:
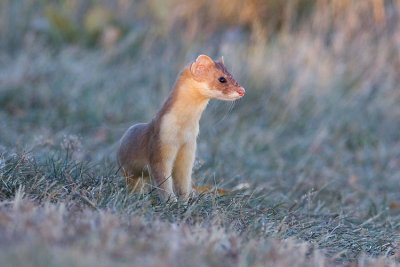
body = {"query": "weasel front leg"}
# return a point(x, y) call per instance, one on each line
point(161, 171)
point(182, 170)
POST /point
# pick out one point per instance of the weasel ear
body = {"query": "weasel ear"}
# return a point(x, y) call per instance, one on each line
point(202, 63)
point(221, 60)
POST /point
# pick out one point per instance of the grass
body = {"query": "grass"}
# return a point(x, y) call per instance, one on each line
point(316, 137)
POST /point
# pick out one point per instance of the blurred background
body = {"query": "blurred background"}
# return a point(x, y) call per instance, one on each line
point(322, 80)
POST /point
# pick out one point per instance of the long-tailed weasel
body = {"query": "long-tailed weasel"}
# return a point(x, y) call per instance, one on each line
point(164, 148)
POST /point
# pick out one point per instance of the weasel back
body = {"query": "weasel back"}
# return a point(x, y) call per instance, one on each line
point(132, 151)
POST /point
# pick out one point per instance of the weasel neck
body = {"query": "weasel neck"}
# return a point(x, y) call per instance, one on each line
point(185, 102)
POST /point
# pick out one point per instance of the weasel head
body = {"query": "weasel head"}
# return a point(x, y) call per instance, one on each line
point(214, 80)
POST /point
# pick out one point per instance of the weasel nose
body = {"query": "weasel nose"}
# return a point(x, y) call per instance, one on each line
point(240, 91)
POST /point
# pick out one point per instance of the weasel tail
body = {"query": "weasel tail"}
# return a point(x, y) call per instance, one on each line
point(162, 151)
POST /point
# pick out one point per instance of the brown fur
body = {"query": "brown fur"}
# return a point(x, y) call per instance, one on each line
point(164, 148)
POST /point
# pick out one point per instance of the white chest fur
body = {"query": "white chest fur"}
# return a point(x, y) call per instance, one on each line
point(177, 130)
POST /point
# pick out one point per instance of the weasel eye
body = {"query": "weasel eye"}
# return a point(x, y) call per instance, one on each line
point(222, 80)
